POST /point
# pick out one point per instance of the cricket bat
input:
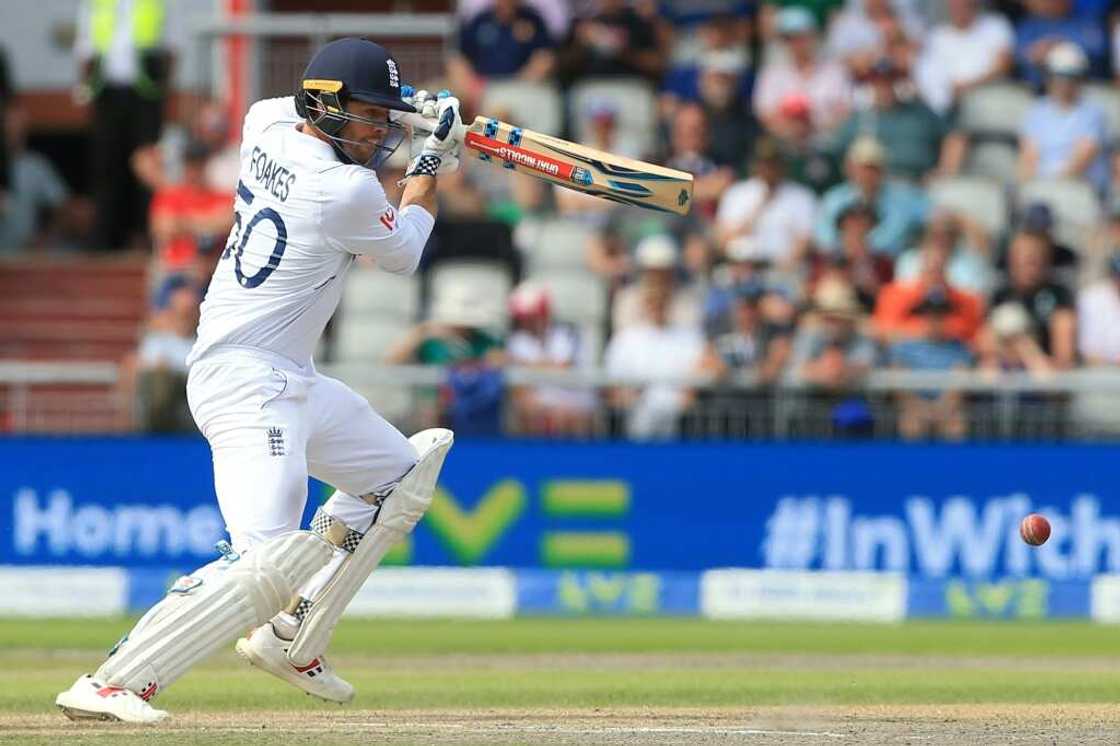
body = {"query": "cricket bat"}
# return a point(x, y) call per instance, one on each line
point(578, 167)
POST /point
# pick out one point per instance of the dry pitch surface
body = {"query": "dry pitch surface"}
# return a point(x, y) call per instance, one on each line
point(864, 724)
point(617, 682)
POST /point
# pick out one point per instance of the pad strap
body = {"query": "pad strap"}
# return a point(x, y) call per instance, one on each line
point(210, 609)
point(396, 517)
point(335, 531)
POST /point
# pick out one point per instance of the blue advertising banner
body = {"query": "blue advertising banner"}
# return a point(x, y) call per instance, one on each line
point(593, 593)
point(108, 501)
point(927, 511)
point(1005, 598)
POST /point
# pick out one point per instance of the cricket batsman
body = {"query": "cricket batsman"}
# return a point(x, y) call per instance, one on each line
point(308, 203)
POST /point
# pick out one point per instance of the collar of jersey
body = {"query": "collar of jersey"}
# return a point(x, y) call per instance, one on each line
point(315, 145)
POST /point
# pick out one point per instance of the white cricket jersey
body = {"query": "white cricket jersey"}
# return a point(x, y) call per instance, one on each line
point(301, 217)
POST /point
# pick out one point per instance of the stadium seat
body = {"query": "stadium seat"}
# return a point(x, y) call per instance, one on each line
point(1108, 98)
point(637, 111)
point(577, 297)
point(373, 292)
point(979, 198)
point(1075, 205)
point(364, 339)
point(995, 111)
point(535, 106)
point(555, 244)
point(994, 160)
point(488, 280)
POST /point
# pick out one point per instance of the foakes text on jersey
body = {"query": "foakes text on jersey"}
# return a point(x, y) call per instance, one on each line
point(271, 175)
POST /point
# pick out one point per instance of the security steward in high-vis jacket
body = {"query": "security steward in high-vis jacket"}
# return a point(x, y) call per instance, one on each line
point(125, 70)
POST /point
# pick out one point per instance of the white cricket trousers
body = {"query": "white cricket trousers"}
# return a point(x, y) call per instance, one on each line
point(271, 423)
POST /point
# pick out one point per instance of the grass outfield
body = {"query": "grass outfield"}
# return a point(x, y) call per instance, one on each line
point(547, 674)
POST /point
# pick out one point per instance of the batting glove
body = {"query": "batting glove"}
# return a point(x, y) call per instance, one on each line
point(436, 133)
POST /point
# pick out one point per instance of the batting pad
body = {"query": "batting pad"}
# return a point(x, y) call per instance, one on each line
point(204, 611)
point(401, 510)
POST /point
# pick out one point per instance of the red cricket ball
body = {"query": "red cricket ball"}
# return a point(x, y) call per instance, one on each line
point(1035, 529)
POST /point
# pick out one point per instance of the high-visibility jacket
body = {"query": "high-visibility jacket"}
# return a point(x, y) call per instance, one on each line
point(147, 34)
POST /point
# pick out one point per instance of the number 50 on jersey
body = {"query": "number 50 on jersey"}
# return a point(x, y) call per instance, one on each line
point(575, 166)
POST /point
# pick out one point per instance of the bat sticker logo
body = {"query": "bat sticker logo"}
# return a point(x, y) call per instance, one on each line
point(582, 176)
point(636, 190)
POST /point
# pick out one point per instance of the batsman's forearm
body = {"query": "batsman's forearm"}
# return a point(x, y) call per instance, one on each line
point(420, 191)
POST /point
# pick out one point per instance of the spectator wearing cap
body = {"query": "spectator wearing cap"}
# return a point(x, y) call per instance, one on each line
point(746, 265)
point(458, 331)
point(1049, 304)
point(458, 334)
point(899, 315)
point(752, 343)
point(1011, 345)
point(824, 83)
point(656, 348)
point(778, 212)
point(1038, 220)
point(1098, 318)
point(808, 162)
point(833, 356)
point(908, 130)
point(973, 48)
point(508, 40)
point(968, 247)
point(725, 98)
point(854, 261)
point(611, 249)
point(190, 219)
point(933, 348)
point(1051, 23)
point(1064, 134)
point(539, 342)
point(743, 263)
point(156, 374)
point(658, 261)
point(614, 40)
point(901, 207)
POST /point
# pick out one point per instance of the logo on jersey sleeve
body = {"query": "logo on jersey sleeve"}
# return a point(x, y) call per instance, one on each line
point(388, 219)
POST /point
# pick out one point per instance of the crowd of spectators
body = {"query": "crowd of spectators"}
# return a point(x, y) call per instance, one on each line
point(819, 247)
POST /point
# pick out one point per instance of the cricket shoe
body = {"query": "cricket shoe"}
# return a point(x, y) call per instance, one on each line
point(90, 699)
point(265, 649)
